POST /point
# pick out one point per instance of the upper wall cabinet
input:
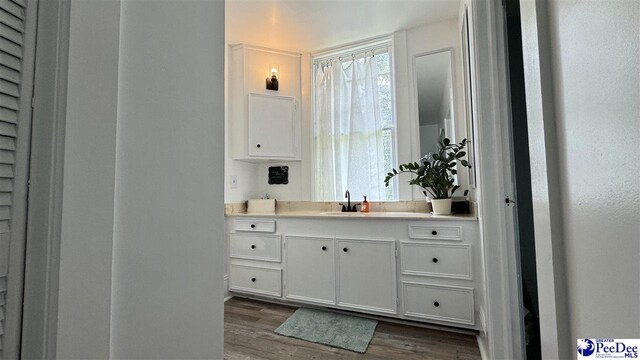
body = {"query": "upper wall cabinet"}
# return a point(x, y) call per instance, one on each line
point(264, 124)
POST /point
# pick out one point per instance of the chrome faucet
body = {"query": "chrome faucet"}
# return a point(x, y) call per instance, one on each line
point(348, 207)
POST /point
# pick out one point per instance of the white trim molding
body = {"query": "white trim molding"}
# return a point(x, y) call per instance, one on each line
point(502, 292)
point(547, 207)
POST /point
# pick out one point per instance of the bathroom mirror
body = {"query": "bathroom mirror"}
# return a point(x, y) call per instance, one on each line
point(435, 99)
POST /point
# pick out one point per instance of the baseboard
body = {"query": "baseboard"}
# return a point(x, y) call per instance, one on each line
point(482, 345)
point(227, 295)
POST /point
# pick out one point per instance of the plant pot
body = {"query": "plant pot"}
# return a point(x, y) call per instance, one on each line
point(441, 206)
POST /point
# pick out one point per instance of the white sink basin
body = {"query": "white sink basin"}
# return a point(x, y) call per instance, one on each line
point(377, 214)
point(340, 213)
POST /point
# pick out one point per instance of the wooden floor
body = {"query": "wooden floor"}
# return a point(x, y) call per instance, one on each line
point(249, 325)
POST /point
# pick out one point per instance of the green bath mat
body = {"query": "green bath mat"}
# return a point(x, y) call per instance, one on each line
point(337, 330)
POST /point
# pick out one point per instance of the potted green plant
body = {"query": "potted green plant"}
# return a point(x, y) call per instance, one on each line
point(434, 173)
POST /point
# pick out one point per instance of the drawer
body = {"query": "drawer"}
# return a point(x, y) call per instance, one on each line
point(255, 225)
point(256, 280)
point(438, 302)
point(255, 247)
point(446, 261)
point(435, 232)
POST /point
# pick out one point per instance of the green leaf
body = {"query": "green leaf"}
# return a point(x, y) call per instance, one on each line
point(464, 162)
point(460, 154)
point(446, 141)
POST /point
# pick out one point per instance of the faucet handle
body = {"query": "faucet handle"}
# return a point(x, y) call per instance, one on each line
point(344, 207)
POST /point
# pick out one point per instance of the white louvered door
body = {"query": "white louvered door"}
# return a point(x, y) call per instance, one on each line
point(17, 47)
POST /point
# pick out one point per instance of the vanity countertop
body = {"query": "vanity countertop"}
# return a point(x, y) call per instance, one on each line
point(359, 215)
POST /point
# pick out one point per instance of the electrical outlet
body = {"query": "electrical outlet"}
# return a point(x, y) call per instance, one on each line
point(233, 182)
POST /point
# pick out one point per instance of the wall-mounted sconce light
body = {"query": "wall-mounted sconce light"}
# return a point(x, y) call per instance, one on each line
point(272, 79)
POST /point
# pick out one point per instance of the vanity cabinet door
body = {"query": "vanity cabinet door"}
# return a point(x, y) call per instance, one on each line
point(366, 274)
point(310, 270)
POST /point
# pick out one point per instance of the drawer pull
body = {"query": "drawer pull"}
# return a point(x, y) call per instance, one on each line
point(253, 246)
point(436, 304)
point(258, 145)
point(345, 249)
point(253, 279)
point(253, 226)
point(435, 260)
point(434, 232)
point(324, 248)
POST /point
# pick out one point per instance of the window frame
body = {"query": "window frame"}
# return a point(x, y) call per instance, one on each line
point(346, 50)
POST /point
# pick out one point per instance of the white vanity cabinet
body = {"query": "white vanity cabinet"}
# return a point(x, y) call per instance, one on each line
point(310, 275)
point(255, 253)
point(367, 274)
point(437, 273)
point(264, 125)
point(418, 270)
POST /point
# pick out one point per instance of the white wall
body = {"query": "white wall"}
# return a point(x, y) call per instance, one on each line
point(142, 195)
point(84, 302)
point(595, 59)
point(169, 230)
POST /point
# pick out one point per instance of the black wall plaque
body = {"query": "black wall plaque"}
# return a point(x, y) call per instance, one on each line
point(278, 175)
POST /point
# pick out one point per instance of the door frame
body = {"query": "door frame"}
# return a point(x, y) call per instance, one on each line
point(545, 186)
point(504, 325)
point(18, 234)
point(39, 325)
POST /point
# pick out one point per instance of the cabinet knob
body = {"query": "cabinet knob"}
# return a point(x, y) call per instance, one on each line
point(345, 249)
point(436, 304)
point(324, 248)
point(434, 232)
point(258, 145)
point(253, 279)
point(253, 226)
point(435, 260)
point(253, 247)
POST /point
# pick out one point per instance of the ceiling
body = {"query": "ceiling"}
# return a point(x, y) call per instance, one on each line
point(434, 72)
point(310, 25)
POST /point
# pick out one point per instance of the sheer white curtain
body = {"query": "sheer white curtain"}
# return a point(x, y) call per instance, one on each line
point(348, 131)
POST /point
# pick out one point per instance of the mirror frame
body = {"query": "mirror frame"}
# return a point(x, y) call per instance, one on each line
point(469, 88)
point(415, 127)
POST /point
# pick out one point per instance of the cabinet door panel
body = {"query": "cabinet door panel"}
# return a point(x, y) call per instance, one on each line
point(367, 274)
point(310, 265)
point(271, 126)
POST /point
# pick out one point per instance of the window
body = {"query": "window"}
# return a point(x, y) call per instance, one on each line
point(354, 124)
